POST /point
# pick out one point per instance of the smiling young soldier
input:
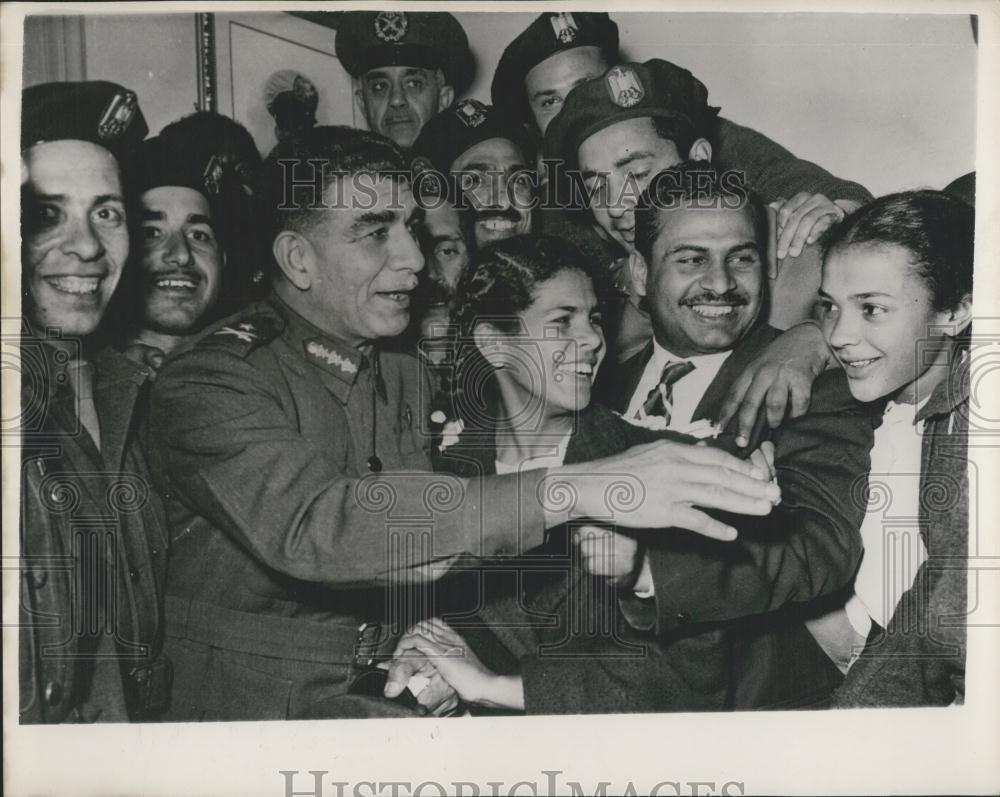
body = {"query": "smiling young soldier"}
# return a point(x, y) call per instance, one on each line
point(408, 67)
point(637, 119)
point(179, 248)
point(279, 440)
point(96, 658)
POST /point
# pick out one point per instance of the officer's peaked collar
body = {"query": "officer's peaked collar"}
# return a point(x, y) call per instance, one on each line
point(321, 349)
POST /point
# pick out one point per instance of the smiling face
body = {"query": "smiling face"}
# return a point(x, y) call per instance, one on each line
point(563, 345)
point(362, 261)
point(398, 100)
point(181, 260)
point(548, 82)
point(875, 313)
point(704, 282)
point(617, 163)
point(499, 189)
point(75, 240)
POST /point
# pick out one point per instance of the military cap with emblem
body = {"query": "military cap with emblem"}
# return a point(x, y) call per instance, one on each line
point(100, 112)
point(656, 89)
point(431, 40)
point(451, 132)
point(552, 32)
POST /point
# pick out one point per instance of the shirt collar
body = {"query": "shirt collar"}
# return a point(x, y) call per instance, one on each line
point(662, 356)
point(319, 348)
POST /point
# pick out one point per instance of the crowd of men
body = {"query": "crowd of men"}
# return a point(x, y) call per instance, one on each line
point(230, 395)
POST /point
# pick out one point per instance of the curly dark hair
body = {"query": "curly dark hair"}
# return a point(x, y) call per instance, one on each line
point(498, 284)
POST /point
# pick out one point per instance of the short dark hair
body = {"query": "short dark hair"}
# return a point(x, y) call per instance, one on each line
point(340, 150)
point(937, 230)
point(697, 182)
point(679, 132)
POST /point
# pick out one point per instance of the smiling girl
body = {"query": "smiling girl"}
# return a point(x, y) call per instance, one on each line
point(896, 303)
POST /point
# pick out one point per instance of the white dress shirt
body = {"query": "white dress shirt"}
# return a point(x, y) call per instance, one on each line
point(894, 549)
point(687, 391)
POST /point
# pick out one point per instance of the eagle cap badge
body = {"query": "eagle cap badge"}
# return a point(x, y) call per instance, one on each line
point(564, 27)
point(624, 86)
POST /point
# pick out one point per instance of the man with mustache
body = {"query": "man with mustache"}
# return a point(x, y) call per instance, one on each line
point(486, 159)
point(292, 436)
point(700, 241)
point(182, 253)
point(408, 66)
point(90, 595)
point(619, 129)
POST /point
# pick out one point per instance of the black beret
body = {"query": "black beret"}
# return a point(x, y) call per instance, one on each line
point(97, 111)
point(551, 33)
point(655, 89)
point(451, 132)
point(430, 40)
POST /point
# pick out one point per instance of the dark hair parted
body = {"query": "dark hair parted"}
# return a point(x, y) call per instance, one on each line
point(696, 184)
point(937, 230)
point(498, 284)
point(288, 194)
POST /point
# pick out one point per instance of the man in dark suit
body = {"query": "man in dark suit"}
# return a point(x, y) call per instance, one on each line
point(700, 270)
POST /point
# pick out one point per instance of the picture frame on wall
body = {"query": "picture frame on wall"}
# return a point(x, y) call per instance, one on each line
point(238, 53)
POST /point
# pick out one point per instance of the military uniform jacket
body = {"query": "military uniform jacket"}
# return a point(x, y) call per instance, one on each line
point(91, 528)
point(263, 432)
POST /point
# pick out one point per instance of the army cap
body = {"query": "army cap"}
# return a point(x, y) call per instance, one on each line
point(551, 33)
point(431, 40)
point(657, 89)
point(451, 132)
point(98, 111)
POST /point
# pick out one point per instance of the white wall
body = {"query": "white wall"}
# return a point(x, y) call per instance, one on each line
point(887, 100)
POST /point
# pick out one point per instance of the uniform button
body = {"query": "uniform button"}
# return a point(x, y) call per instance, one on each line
point(133, 575)
point(39, 578)
point(53, 692)
point(682, 618)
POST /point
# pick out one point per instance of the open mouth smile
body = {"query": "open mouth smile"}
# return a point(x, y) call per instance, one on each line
point(713, 312)
point(75, 286)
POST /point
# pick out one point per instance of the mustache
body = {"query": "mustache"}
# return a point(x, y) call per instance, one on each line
point(733, 297)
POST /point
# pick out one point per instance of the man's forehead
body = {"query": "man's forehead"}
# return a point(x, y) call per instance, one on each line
point(494, 153)
point(586, 61)
point(391, 72)
point(174, 200)
point(710, 225)
point(63, 167)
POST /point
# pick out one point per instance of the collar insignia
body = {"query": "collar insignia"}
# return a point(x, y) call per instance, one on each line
point(319, 351)
point(564, 27)
point(117, 115)
point(624, 86)
point(391, 26)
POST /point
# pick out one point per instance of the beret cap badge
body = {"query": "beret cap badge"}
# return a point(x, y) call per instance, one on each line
point(471, 112)
point(624, 86)
point(391, 26)
point(117, 115)
point(564, 27)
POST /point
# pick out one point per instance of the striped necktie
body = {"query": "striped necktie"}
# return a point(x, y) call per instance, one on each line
point(660, 399)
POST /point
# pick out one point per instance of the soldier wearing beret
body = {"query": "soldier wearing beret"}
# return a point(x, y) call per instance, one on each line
point(90, 634)
point(291, 443)
point(637, 119)
point(408, 67)
point(488, 157)
point(180, 247)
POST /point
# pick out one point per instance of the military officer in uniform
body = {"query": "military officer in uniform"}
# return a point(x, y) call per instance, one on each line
point(293, 450)
point(93, 535)
point(409, 65)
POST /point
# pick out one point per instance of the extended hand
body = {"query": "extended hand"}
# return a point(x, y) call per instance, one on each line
point(676, 481)
point(781, 377)
point(608, 554)
point(804, 218)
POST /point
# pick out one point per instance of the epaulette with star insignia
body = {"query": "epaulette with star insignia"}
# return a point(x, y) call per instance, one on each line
point(244, 333)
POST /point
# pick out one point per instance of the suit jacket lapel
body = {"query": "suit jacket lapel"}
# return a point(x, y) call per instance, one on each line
point(116, 392)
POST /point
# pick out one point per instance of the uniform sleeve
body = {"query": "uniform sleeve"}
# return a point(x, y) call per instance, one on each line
point(227, 449)
point(809, 545)
point(774, 172)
